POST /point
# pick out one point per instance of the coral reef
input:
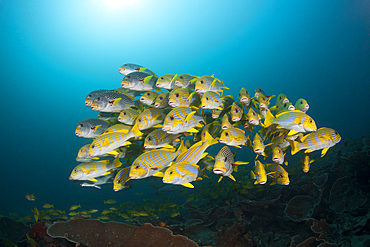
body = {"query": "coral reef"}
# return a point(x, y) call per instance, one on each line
point(96, 233)
point(12, 230)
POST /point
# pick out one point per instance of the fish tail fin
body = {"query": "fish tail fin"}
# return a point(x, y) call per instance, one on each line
point(268, 119)
point(182, 147)
point(210, 139)
point(293, 145)
point(116, 162)
point(136, 131)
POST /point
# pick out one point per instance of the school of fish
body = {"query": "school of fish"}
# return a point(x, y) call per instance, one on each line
point(162, 126)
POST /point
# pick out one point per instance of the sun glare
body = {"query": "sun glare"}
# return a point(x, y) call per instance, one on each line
point(116, 4)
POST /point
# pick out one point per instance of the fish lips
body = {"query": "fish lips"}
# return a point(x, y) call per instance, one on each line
point(219, 171)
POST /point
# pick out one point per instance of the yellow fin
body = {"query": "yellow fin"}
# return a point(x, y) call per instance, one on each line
point(231, 176)
point(192, 130)
point(147, 79)
point(168, 146)
point(326, 138)
point(188, 185)
point(136, 131)
point(116, 101)
point(273, 183)
point(93, 180)
point(158, 174)
point(238, 146)
point(323, 152)
point(253, 175)
point(187, 119)
point(106, 142)
point(127, 143)
point(292, 132)
point(220, 179)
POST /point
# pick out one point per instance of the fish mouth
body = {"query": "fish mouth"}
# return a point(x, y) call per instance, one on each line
point(258, 150)
point(197, 90)
point(132, 177)
point(123, 84)
point(275, 159)
point(218, 171)
point(253, 122)
point(244, 100)
point(171, 103)
point(221, 141)
point(263, 106)
point(285, 100)
point(291, 108)
point(287, 183)
point(235, 119)
point(156, 105)
point(166, 129)
point(158, 85)
point(224, 127)
point(204, 107)
point(88, 103)
point(116, 189)
point(142, 99)
point(262, 182)
point(70, 178)
point(77, 133)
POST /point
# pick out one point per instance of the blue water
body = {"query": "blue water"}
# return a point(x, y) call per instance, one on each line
point(53, 53)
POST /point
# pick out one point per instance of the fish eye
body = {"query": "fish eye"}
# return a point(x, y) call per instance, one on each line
point(226, 133)
point(172, 118)
point(92, 146)
point(97, 99)
point(335, 132)
point(280, 97)
point(177, 95)
point(128, 77)
point(119, 181)
point(81, 125)
point(148, 94)
point(201, 82)
point(225, 159)
point(162, 78)
point(281, 176)
point(137, 167)
point(254, 113)
point(170, 172)
point(161, 97)
point(124, 113)
point(181, 77)
point(236, 111)
point(139, 120)
point(301, 102)
point(310, 120)
point(149, 138)
point(75, 170)
point(206, 98)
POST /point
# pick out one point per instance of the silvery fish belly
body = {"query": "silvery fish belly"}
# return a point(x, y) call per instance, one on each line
point(291, 120)
point(112, 102)
point(149, 118)
point(148, 98)
point(181, 119)
point(140, 81)
point(92, 95)
point(208, 83)
point(91, 128)
point(99, 181)
point(159, 138)
point(166, 81)
point(233, 137)
point(93, 169)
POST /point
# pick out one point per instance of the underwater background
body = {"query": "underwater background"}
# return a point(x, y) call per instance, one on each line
point(53, 53)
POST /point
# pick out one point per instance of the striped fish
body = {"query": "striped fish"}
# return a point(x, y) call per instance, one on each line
point(149, 118)
point(118, 128)
point(212, 100)
point(148, 98)
point(295, 121)
point(140, 81)
point(279, 175)
point(306, 163)
point(224, 163)
point(183, 97)
point(99, 181)
point(196, 151)
point(92, 95)
point(166, 81)
point(122, 179)
point(182, 174)
point(151, 162)
point(278, 156)
point(92, 169)
point(233, 137)
point(162, 100)
point(302, 105)
point(212, 128)
point(228, 101)
point(259, 173)
point(186, 80)
point(83, 154)
point(225, 123)
point(112, 102)
point(287, 106)
point(109, 142)
point(128, 116)
point(253, 117)
point(245, 98)
point(324, 138)
point(130, 67)
point(91, 128)
point(236, 112)
point(257, 146)
point(208, 83)
point(159, 138)
point(182, 119)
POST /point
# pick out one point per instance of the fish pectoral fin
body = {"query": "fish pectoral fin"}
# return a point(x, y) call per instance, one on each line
point(292, 132)
point(158, 174)
point(198, 178)
point(253, 175)
point(232, 178)
point(168, 146)
point(106, 142)
point(298, 121)
point(116, 101)
point(323, 152)
point(326, 138)
point(127, 143)
point(237, 146)
point(147, 79)
point(158, 126)
point(88, 170)
point(188, 185)
point(235, 168)
point(187, 119)
point(269, 174)
point(93, 180)
point(308, 151)
point(272, 183)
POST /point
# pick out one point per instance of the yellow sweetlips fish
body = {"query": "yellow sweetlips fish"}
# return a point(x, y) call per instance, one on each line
point(287, 106)
point(302, 105)
point(112, 102)
point(74, 207)
point(182, 174)
point(322, 139)
point(83, 154)
point(295, 121)
point(253, 117)
point(167, 81)
point(212, 100)
point(149, 118)
point(225, 123)
point(91, 128)
point(233, 137)
point(197, 151)
point(208, 83)
point(186, 80)
point(224, 108)
point(104, 144)
point(259, 173)
point(245, 98)
point(92, 95)
point(306, 163)
point(162, 100)
point(236, 112)
point(122, 179)
point(159, 138)
point(92, 169)
point(47, 205)
point(183, 97)
point(148, 98)
point(130, 67)
point(128, 116)
point(118, 128)
point(140, 81)
point(257, 146)
point(99, 181)
point(224, 163)
point(182, 119)
point(279, 175)
point(151, 162)
point(278, 155)
point(213, 128)
point(30, 197)
point(110, 201)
